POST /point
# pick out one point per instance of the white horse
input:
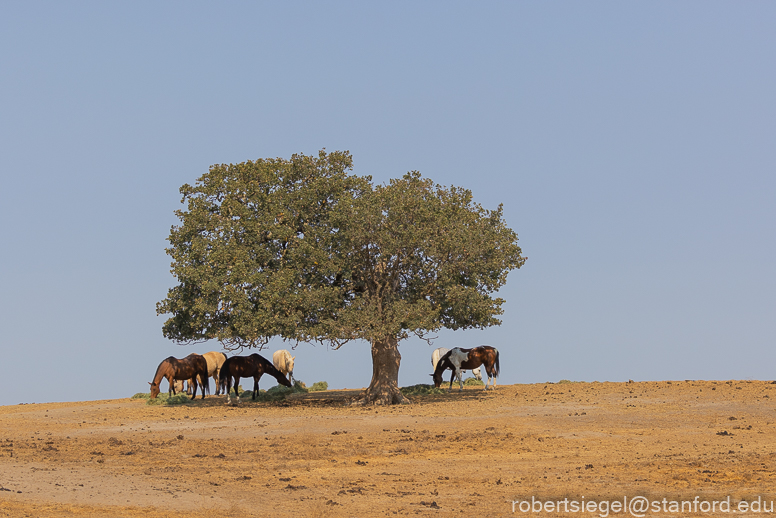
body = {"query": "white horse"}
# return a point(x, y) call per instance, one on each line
point(441, 351)
point(284, 362)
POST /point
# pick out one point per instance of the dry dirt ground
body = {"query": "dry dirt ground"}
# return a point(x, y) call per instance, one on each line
point(470, 453)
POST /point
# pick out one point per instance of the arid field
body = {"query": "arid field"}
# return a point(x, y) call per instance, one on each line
point(460, 454)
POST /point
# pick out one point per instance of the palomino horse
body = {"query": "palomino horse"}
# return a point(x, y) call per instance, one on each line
point(254, 366)
point(284, 362)
point(441, 351)
point(189, 368)
point(214, 361)
point(457, 359)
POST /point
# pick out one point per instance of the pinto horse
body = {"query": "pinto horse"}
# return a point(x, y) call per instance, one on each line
point(255, 365)
point(189, 368)
point(441, 351)
point(457, 359)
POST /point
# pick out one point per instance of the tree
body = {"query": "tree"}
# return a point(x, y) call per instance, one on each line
point(303, 250)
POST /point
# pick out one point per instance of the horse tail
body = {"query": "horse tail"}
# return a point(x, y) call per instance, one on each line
point(205, 383)
point(496, 367)
point(223, 376)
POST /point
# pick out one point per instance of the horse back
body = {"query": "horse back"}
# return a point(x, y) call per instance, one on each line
point(281, 360)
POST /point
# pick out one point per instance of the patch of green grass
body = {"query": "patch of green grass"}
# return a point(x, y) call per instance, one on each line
point(298, 388)
point(141, 395)
point(473, 382)
point(319, 386)
point(276, 393)
point(164, 399)
point(421, 390)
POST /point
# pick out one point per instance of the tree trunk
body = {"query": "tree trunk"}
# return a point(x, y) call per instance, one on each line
point(384, 388)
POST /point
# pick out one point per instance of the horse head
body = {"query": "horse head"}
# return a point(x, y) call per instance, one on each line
point(154, 389)
point(283, 380)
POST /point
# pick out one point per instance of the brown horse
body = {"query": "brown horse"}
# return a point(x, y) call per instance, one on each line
point(254, 366)
point(458, 359)
point(214, 361)
point(189, 368)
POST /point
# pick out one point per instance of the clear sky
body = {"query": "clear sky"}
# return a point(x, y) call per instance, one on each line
point(632, 144)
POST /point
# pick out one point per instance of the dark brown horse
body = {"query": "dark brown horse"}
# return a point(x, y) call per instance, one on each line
point(254, 366)
point(189, 368)
point(458, 359)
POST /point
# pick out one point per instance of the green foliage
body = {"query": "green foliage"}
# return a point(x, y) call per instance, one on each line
point(254, 254)
point(473, 382)
point(319, 386)
point(141, 395)
point(421, 257)
point(421, 390)
point(303, 250)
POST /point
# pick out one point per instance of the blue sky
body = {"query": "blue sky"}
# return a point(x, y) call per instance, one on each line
point(631, 143)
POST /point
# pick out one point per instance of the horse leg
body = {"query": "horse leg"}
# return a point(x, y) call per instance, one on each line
point(228, 383)
point(194, 390)
point(255, 388)
point(452, 377)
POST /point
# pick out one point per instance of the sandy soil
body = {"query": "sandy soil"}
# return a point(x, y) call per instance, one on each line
point(470, 453)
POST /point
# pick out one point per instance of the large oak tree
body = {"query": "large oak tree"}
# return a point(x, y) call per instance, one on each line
point(306, 251)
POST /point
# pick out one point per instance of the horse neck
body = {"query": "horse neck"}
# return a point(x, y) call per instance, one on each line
point(270, 369)
point(441, 366)
point(162, 371)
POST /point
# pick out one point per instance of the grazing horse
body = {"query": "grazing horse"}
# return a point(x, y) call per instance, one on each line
point(441, 351)
point(189, 368)
point(214, 361)
point(254, 366)
point(457, 359)
point(284, 362)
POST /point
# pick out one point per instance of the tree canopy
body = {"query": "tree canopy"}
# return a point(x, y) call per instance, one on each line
point(304, 250)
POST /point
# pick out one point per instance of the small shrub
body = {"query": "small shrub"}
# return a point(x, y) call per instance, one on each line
point(141, 395)
point(473, 382)
point(319, 386)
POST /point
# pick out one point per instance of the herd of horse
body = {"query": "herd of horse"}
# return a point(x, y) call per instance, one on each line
point(197, 369)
